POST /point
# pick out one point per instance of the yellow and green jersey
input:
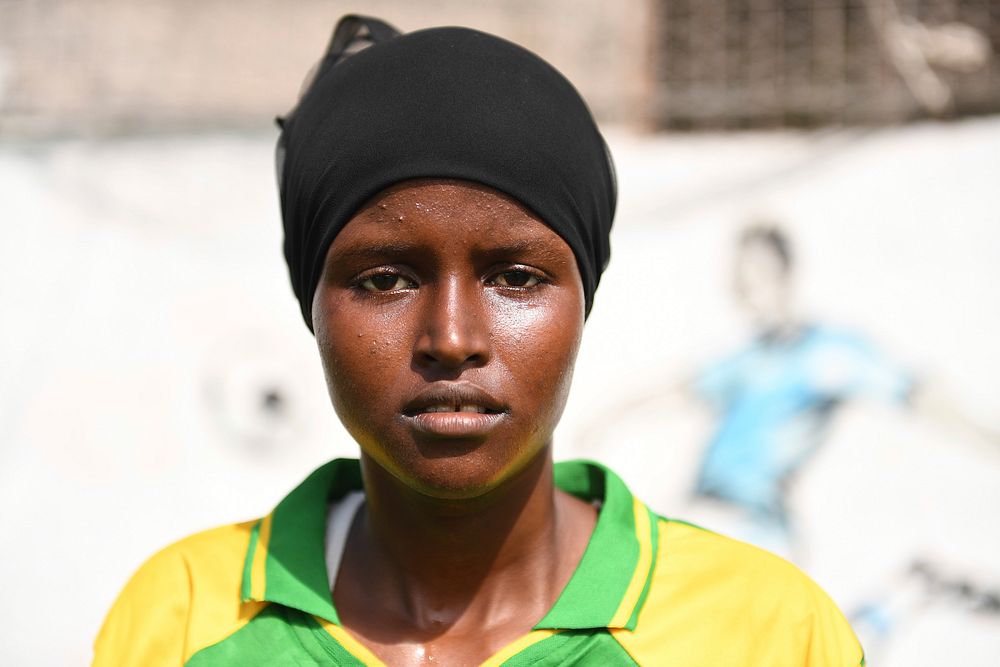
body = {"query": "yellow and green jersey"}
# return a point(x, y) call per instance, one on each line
point(648, 591)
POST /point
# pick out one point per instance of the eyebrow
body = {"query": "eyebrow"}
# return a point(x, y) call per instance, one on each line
point(381, 249)
point(512, 247)
point(535, 248)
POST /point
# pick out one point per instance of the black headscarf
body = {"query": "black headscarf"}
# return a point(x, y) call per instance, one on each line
point(441, 103)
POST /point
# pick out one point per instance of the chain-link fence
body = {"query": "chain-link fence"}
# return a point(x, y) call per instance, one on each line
point(751, 63)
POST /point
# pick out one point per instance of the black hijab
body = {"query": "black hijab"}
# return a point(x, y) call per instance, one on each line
point(438, 103)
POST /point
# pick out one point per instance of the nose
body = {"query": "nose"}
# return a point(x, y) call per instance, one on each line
point(454, 331)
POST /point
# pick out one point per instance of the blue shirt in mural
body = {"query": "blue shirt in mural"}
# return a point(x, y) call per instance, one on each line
point(774, 400)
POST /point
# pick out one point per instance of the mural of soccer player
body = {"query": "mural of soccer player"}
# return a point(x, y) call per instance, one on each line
point(775, 399)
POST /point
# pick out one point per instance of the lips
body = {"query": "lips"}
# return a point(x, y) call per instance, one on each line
point(454, 410)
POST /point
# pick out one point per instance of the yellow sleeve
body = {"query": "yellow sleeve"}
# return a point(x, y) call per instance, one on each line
point(148, 622)
point(831, 639)
point(181, 600)
point(716, 601)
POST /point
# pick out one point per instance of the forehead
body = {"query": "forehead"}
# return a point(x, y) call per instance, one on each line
point(447, 196)
point(441, 210)
point(443, 189)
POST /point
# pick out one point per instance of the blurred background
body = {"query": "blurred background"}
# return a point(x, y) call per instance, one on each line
point(794, 343)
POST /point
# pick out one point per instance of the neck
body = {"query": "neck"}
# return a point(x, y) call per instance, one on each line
point(441, 559)
point(781, 326)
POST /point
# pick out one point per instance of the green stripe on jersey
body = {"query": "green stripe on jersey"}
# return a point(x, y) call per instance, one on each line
point(276, 637)
point(593, 594)
point(583, 648)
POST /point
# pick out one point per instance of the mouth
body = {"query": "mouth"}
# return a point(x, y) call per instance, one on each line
point(464, 407)
point(454, 410)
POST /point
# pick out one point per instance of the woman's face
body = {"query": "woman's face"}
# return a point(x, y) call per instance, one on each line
point(448, 319)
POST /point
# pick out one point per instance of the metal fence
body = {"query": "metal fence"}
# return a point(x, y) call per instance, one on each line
point(753, 63)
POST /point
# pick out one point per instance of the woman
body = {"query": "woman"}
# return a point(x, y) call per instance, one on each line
point(447, 201)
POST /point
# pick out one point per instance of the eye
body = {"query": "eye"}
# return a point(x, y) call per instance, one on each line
point(516, 279)
point(386, 282)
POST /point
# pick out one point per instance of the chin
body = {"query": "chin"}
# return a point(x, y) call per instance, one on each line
point(450, 479)
point(455, 470)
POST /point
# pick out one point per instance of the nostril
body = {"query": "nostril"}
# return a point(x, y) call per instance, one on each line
point(450, 359)
point(427, 358)
point(451, 354)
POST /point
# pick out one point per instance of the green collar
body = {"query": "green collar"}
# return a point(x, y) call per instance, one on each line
point(285, 561)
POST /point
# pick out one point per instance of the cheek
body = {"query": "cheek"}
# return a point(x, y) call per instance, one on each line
point(361, 352)
point(538, 344)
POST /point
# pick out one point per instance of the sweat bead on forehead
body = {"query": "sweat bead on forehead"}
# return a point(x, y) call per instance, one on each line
point(442, 103)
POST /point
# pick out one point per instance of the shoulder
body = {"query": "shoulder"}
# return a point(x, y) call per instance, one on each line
point(825, 339)
point(715, 600)
point(183, 598)
point(697, 562)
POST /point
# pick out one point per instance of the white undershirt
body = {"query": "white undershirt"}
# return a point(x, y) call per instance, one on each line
point(339, 518)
